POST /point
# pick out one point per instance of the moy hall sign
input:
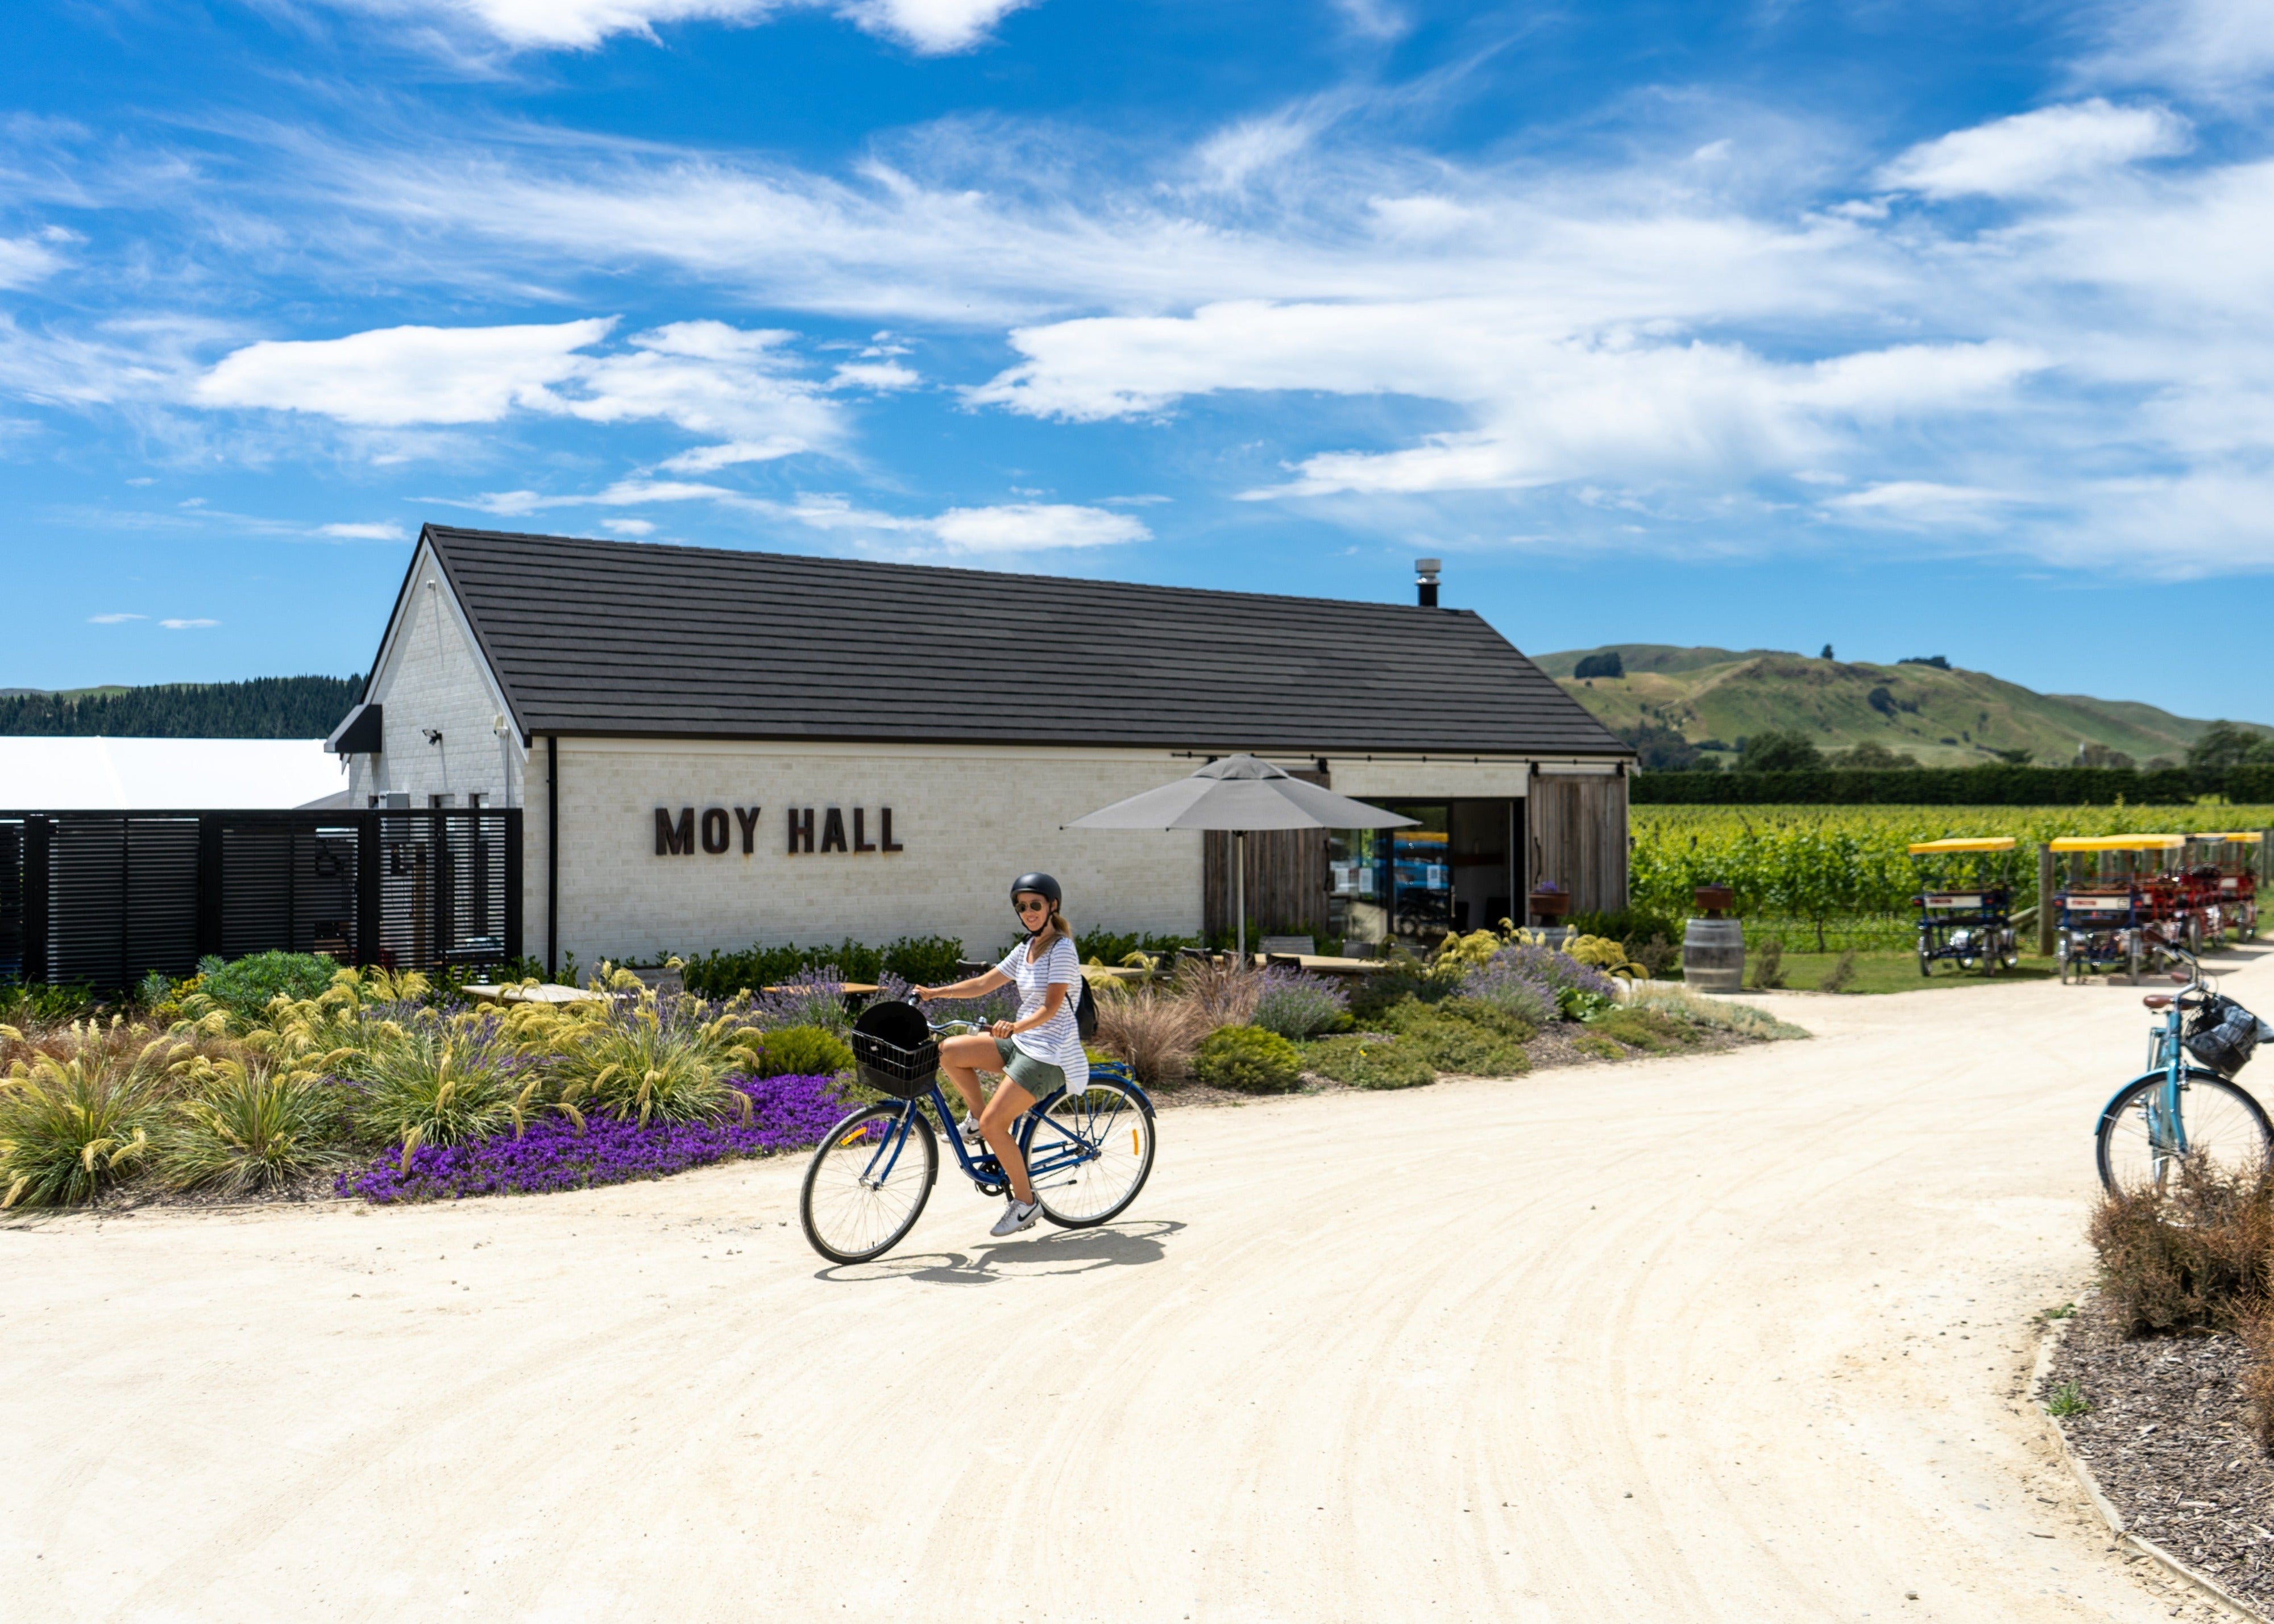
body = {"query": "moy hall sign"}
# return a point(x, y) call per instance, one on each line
point(676, 834)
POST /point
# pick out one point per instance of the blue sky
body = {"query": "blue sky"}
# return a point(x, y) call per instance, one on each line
point(1920, 329)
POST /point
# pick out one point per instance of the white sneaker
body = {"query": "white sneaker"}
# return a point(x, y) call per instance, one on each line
point(1017, 1216)
point(968, 1130)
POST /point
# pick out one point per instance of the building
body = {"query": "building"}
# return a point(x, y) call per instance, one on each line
point(78, 774)
point(714, 748)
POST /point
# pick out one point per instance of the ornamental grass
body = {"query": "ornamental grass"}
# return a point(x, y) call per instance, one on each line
point(78, 1116)
point(252, 1127)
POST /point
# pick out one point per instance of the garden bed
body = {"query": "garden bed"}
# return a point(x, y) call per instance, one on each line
point(2168, 1437)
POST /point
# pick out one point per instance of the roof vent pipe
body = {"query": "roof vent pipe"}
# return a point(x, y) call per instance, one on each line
point(1426, 572)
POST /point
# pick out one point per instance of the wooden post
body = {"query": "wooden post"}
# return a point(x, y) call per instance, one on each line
point(2046, 912)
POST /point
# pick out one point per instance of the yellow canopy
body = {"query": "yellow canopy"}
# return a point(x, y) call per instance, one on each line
point(2118, 843)
point(2250, 836)
point(1986, 843)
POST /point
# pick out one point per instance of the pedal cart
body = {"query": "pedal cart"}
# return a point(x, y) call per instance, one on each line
point(2114, 905)
point(1965, 903)
point(2225, 866)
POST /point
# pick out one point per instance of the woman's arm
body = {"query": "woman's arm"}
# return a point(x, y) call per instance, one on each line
point(977, 986)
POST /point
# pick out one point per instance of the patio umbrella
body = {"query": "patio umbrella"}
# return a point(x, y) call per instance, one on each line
point(1235, 794)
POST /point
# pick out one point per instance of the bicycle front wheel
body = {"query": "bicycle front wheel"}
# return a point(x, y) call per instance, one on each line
point(868, 1181)
point(1090, 1154)
point(2220, 1126)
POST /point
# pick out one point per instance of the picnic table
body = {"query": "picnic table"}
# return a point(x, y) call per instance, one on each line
point(547, 992)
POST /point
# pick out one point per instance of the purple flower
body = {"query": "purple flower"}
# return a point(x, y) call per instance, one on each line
point(787, 1113)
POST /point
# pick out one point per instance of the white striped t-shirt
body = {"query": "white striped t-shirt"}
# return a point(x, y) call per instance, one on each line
point(1058, 1041)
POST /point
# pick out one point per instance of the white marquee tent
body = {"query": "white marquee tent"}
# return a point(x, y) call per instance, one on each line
point(133, 775)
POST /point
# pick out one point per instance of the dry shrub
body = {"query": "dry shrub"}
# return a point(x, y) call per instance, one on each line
point(1222, 993)
point(2196, 1255)
point(1156, 1033)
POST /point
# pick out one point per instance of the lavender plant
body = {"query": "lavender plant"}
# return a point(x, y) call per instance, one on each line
point(1297, 1005)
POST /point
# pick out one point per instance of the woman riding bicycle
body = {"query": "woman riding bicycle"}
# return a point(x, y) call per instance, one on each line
point(1039, 1051)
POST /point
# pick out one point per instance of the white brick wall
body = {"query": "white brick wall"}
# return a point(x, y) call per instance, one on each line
point(431, 676)
point(969, 819)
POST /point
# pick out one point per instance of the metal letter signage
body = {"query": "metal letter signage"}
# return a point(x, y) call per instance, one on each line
point(676, 833)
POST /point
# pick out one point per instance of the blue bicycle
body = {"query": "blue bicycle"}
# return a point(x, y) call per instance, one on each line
point(2179, 1112)
point(1089, 1154)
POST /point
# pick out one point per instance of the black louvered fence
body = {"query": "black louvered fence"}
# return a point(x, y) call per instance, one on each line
point(105, 898)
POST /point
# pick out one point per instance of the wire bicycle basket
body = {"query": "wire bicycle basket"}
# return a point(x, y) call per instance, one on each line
point(895, 1049)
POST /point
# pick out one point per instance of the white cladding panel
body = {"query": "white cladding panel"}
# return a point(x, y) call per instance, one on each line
point(969, 821)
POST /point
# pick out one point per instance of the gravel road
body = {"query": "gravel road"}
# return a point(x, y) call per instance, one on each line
point(1740, 1337)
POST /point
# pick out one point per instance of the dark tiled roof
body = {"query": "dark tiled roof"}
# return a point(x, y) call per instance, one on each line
point(629, 638)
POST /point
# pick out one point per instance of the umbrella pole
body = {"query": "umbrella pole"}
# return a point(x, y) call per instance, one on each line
point(1239, 889)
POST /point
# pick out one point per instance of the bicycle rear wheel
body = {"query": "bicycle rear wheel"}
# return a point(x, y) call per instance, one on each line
point(1090, 1154)
point(2226, 1133)
point(868, 1181)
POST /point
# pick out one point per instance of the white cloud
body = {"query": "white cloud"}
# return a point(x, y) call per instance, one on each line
point(704, 377)
point(2216, 50)
point(930, 28)
point(2029, 152)
point(114, 620)
point(25, 260)
point(629, 527)
point(395, 376)
point(184, 626)
point(876, 375)
point(365, 532)
point(1005, 529)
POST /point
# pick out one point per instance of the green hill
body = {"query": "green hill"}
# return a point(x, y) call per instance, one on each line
point(1943, 717)
point(264, 708)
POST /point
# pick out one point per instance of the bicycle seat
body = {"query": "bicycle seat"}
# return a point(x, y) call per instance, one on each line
point(2157, 1000)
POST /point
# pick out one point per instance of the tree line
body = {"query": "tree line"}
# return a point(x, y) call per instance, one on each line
point(263, 708)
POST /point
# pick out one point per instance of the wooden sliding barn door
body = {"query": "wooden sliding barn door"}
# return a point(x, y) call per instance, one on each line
point(1578, 838)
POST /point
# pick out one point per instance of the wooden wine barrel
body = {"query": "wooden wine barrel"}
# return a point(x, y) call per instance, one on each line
point(1713, 955)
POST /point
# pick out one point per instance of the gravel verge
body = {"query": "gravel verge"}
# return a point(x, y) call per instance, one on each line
point(2168, 1439)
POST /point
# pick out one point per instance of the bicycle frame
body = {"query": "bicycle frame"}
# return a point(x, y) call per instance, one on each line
point(2167, 1128)
point(985, 1171)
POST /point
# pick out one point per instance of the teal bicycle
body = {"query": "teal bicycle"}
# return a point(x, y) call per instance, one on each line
point(2186, 1109)
point(1089, 1154)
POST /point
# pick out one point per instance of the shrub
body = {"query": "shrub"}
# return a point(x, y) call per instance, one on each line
point(1222, 993)
point(1700, 1010)
point(802, 1051)
point(1768, 965)
point(440, 1082)
point(1656, 956)
point(1840, 975)
point(1656, 1031)
point(248, 1128)
point(1295, 1005)
point(1466, 1036)
point(657, 1058)
point(1249, 1059)
point(1559, 971)
point(1154, 1031)
point(244, 987)
point(74, 1121)
point(1514, 988)
point(2196, 1254)
point(1371, 1063)
point(920, 960)
point(41, 1004)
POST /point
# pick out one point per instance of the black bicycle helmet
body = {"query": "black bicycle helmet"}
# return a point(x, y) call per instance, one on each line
point(1041, 885)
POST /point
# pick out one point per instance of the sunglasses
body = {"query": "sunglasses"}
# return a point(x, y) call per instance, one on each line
point(1032, 907)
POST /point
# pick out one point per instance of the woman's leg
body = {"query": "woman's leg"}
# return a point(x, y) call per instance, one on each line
point(963, 1059)
point(995, 1127)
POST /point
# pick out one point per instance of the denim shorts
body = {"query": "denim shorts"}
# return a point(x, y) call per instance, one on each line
point(1038, 1078)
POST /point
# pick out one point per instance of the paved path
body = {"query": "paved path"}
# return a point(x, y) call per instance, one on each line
point(1738, 1338)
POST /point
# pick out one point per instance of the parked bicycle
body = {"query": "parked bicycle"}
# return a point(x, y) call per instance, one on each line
point(2186, 1107)
point(1089, 1154)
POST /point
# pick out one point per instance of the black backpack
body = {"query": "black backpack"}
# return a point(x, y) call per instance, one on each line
point(1085, 1012)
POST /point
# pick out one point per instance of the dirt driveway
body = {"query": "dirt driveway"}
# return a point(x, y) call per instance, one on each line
point(1734, 1338)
